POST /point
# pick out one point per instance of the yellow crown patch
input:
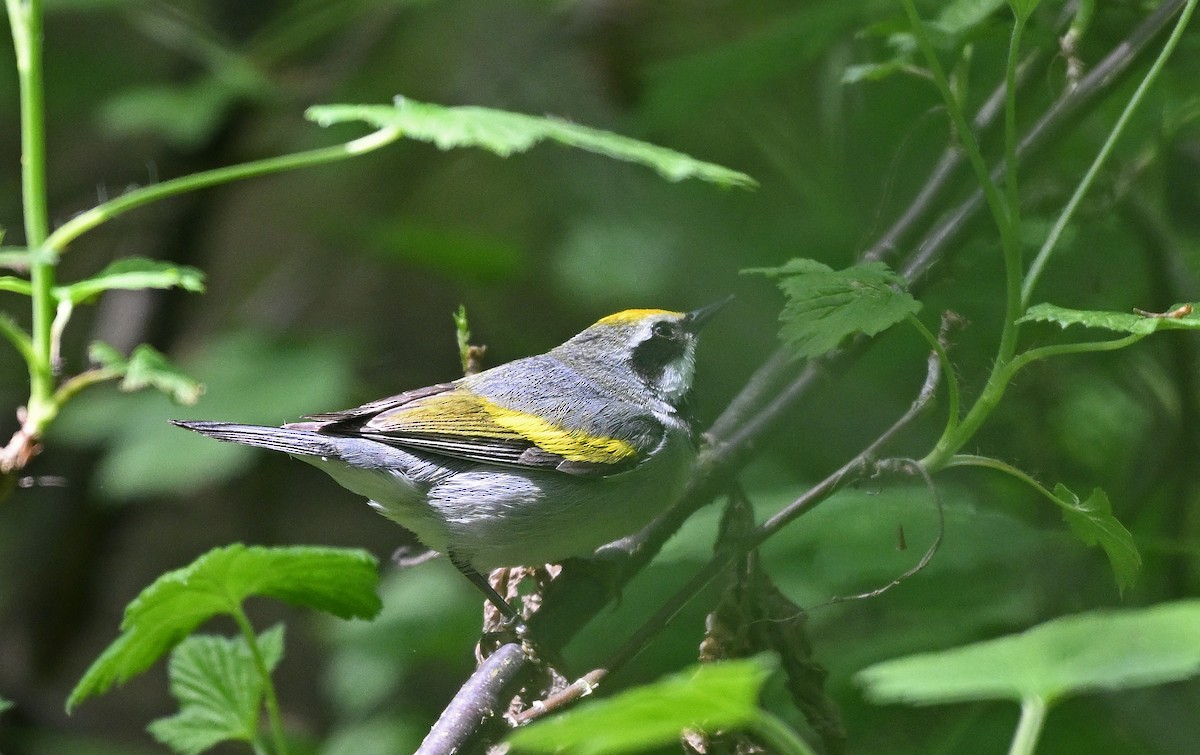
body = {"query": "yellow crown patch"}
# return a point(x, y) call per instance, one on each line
point(633, 315)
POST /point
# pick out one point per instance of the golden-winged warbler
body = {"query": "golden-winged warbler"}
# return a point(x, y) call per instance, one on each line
point(527, 463)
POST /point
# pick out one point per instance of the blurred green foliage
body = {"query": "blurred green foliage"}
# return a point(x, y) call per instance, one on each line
point(335, 285)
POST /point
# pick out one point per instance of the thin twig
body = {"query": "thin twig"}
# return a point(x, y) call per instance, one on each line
point(914, 466)
point(805, 502)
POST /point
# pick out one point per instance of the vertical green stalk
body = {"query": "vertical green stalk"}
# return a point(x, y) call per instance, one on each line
point(25, 20)
point(260, 664)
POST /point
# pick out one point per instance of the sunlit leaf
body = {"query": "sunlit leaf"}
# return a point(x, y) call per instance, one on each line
point(1093, 522)
point(708, 696)
point(1101, 650)
point(337, 581)
point(507, 133)
point(219, 691)
point(146, 367)
point(134, 273)
point(1179, 316)
point(824, 305)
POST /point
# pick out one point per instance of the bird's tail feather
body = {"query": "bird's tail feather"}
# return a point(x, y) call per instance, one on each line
point(287, 440)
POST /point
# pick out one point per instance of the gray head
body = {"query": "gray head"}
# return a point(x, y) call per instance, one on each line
point(656, 347)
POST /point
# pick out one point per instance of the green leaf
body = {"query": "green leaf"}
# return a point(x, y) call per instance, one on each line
point(1100, 650)
point(147, 368)
point(709, 696)
point(134, 273)
point(507, 133)
point(16, 285)
point(337, 581)
point(1023, 9)
point(824, 305)
point(5, 704)
point(219, 691)
point(1093, 522)
point(959, 17)
point(1120, 322)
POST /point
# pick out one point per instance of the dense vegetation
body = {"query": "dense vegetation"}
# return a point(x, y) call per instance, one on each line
point(978, 284)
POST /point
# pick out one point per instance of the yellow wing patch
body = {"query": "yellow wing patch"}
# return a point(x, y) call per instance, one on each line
point(463, 414)
point(572, 445)
point(633, 315)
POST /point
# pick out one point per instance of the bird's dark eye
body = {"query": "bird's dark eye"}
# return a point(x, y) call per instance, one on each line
point(663, 330)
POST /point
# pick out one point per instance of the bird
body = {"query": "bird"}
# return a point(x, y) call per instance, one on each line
point(527, 463)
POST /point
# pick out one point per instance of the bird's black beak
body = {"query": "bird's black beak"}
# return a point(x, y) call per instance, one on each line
point(697, 318)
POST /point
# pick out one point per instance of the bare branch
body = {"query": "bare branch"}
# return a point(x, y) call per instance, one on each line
point(477, 701)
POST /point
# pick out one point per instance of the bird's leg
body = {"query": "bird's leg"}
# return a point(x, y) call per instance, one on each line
point(511, 615)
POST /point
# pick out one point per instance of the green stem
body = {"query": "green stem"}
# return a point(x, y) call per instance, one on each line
point(1006, 216)
point(970, 146)
point(19, 338)
point(1012, 243)
point(1065, 349)
point(102, 213)
point(25, 21)
point(1029, 729)
point(779, 736)
point(947, 370)
point(264, 674)
point(70, 388)
point(1043, 255)
point(971, 460)
point(1002, 374)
